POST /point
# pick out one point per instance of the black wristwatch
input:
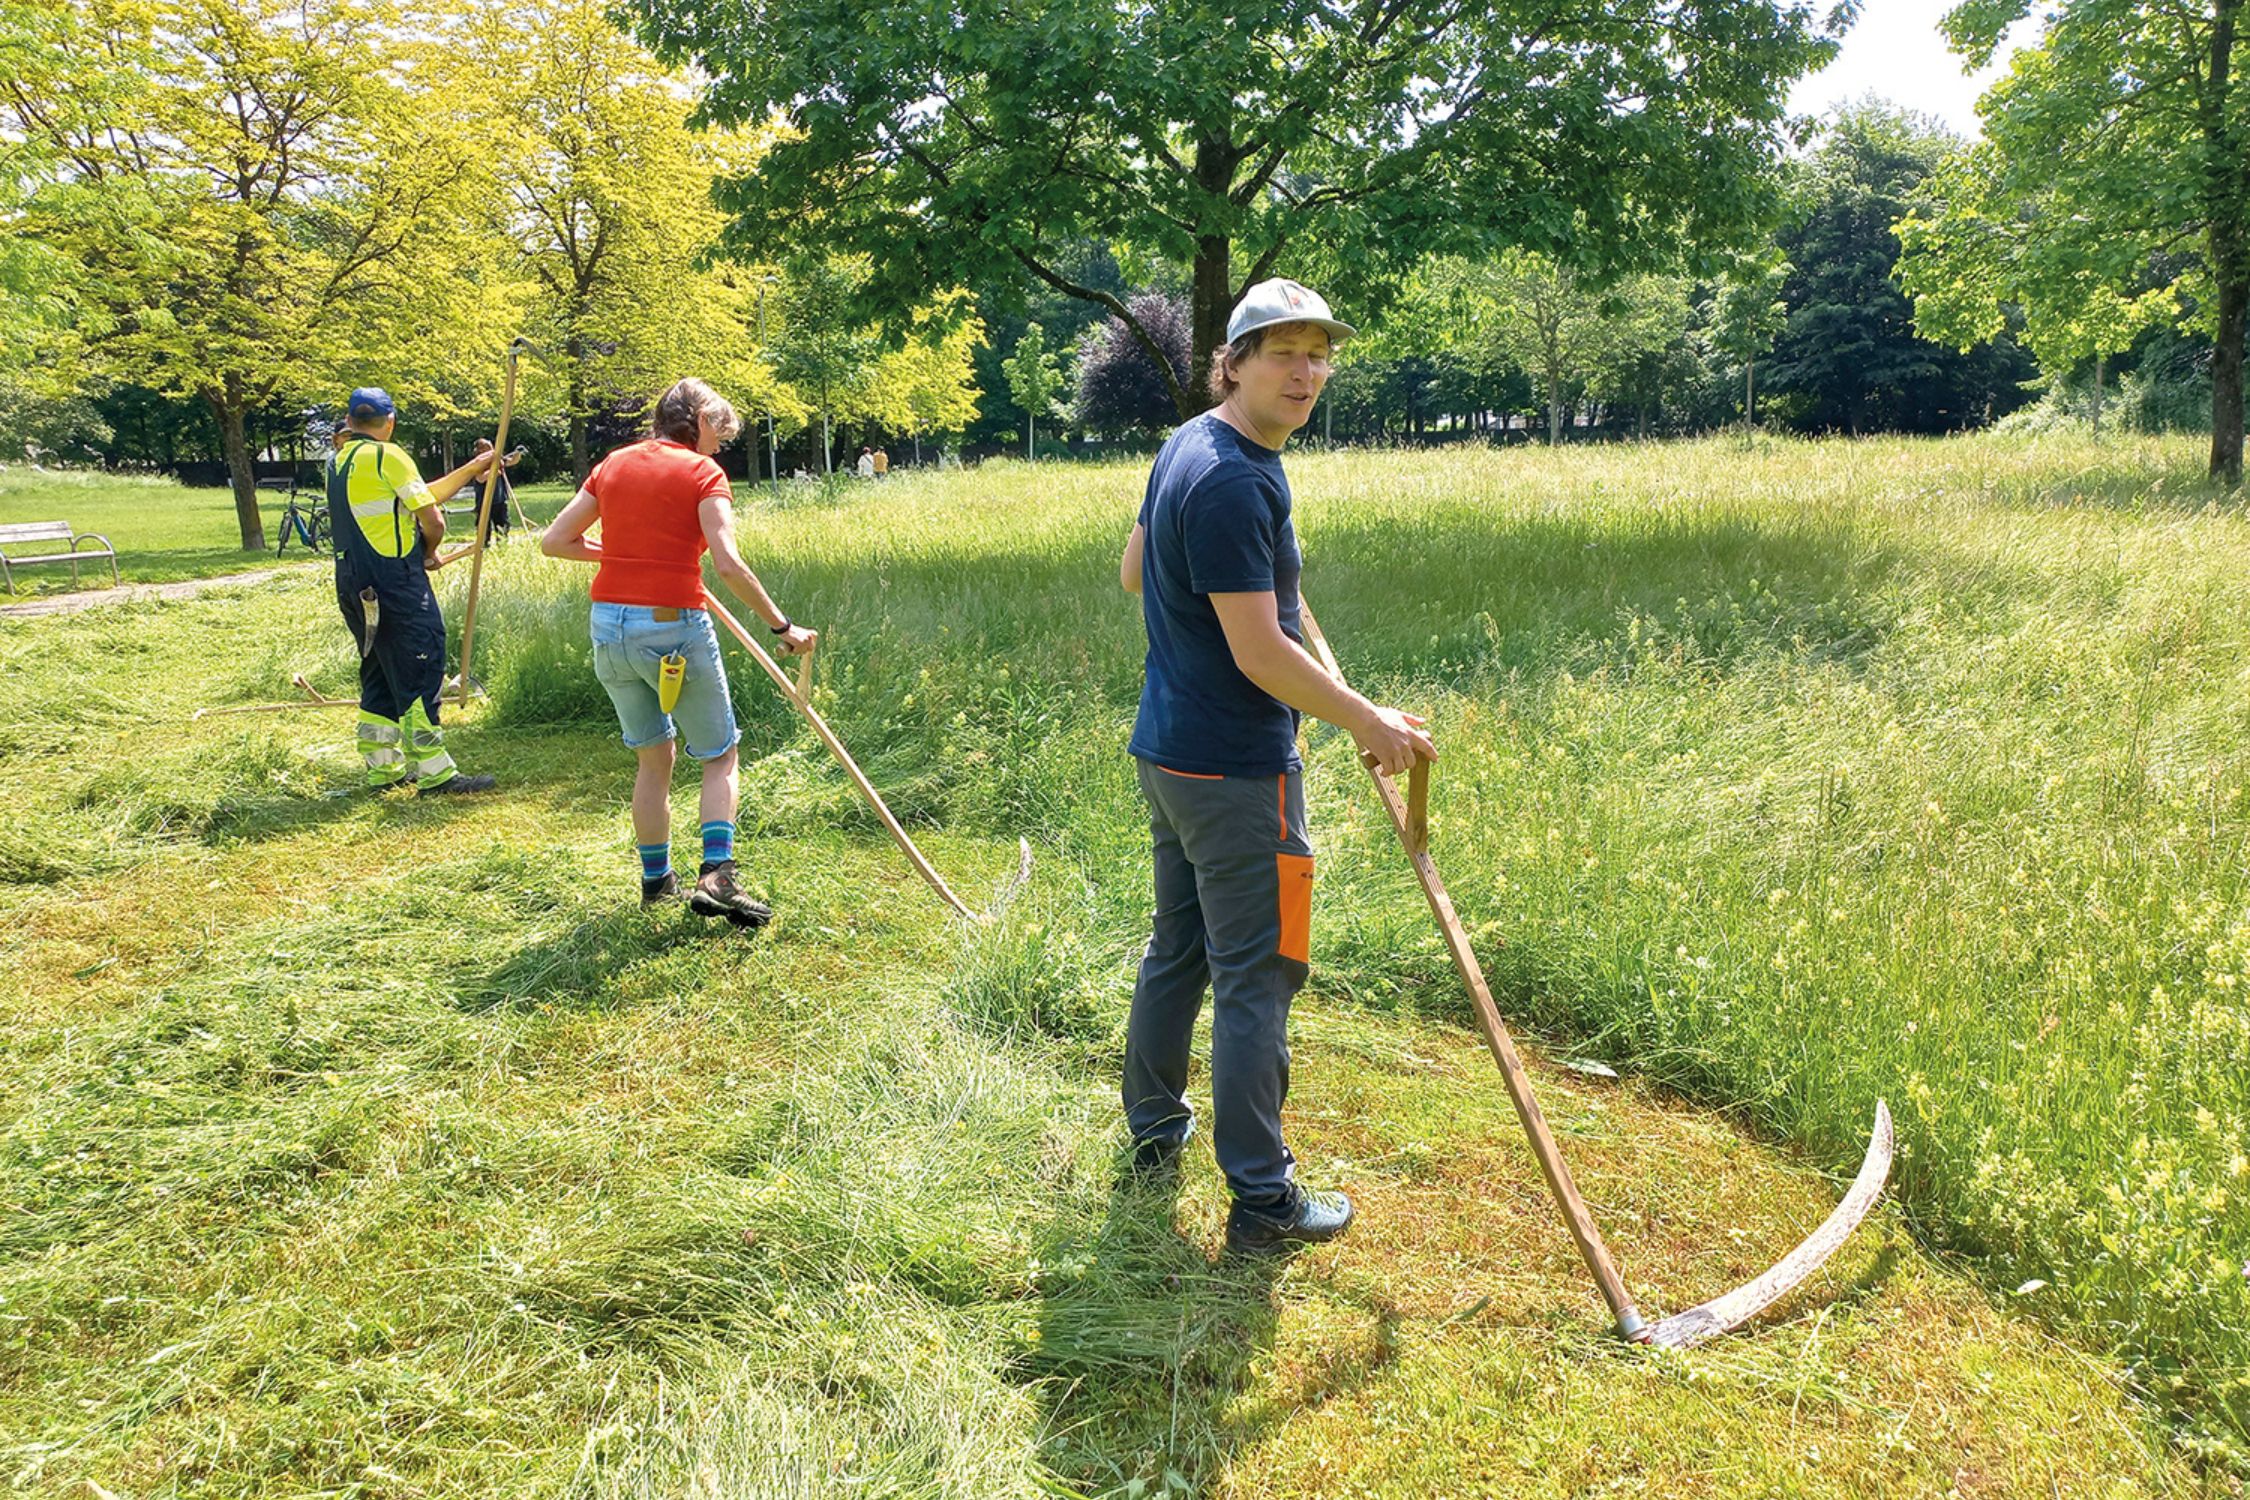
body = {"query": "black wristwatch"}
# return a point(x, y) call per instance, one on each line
point(783, 628)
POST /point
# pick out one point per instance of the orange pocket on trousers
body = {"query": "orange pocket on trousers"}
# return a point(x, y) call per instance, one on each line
point(1296, 881)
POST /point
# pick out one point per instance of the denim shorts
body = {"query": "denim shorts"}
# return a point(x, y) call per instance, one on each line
point(630, 643)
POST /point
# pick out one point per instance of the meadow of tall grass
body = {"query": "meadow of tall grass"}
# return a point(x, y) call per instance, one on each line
point(388, 1150)
point(1791, 777)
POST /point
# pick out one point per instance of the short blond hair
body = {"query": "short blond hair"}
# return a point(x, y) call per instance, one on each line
point(678, 411)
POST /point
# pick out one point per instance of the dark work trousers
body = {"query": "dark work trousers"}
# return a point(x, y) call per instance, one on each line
point(408, 661)
point(1234, 874)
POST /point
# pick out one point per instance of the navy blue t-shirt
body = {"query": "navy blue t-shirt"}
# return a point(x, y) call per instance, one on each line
point(1217, 522)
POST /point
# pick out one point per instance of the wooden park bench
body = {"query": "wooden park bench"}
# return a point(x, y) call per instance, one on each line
point(34, 534)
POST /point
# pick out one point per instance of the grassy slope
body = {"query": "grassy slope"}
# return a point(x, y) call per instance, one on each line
point(361, 1144)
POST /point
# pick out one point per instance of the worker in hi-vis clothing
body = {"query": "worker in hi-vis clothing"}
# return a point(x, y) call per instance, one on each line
point(387, 524)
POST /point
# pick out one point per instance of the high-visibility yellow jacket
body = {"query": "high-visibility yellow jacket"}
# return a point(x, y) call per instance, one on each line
point(382, 489)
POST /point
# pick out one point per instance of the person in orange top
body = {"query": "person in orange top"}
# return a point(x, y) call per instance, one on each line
point(661, 503)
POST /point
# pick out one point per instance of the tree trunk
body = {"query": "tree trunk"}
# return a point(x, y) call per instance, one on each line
point(1749, 395)
point(1030, 438)
point(827, 449)
point(574, 349)
point(2101, 367)
point(2227, 212)
point(234, 442)
point(2226, 378)
point(1213, 303)
point(1554, 405)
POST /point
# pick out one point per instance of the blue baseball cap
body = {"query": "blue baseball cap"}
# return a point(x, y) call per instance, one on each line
point(371, 403)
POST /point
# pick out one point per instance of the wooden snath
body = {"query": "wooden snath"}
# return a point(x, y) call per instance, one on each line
point(484, 516)
point(799, 693)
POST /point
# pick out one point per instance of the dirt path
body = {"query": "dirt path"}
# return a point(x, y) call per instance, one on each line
point(186, 588)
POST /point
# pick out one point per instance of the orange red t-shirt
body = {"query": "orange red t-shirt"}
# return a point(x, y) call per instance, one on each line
point(652, 538)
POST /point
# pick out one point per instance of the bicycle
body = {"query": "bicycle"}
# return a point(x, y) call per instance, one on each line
point(306, 520)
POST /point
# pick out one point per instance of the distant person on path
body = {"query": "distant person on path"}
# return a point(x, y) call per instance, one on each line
point(386, 525)
point(662, 503)
point(882, 463)
point(866, 464)
point(1214, 558)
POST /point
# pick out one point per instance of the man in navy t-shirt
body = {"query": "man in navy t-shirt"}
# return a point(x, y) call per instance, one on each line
point(1214, 558)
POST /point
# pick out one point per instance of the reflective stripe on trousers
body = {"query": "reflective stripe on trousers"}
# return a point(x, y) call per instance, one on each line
point(379, 748)
point(427, 758)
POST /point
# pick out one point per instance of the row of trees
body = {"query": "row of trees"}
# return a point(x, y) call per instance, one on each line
point(1381, 147)
point(1812, 330)
point(1583, 216)
point(256, 204)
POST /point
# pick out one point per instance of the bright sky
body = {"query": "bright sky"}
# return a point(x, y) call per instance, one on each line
point(1896, 52)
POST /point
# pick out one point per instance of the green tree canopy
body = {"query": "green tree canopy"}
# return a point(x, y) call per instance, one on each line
point(1571, 336)
point(2117, 149)
point(1035, 379)
point(1366, 133)
point(604, 205)
point(1851, 358)
point(250, 208)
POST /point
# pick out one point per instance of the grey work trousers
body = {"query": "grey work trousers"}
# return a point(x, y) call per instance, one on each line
point(1234, 874)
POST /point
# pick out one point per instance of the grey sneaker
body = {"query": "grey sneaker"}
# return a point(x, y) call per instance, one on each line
point(1304, 1218)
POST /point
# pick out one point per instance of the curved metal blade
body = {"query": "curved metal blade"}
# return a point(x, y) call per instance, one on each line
point(1007, 894)
point(1753, 1297)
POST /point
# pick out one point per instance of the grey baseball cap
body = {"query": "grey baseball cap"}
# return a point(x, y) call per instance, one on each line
point(1283, 301)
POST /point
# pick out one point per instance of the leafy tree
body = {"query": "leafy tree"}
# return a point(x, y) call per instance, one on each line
point(826, 354)
point(1034, 379)
point(1747, 315)
point(2123, 137)
point(251, 209)
point(1120, 388)
point(1570, 336)
point(928, 387)
point(1370, 132)
point(1990, 257)
point(605, 204)
point(44, 394)
point(1850, 357)
point(1009, 301)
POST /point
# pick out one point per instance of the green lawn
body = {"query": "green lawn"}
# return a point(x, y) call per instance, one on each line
point(163, 531)
point(358, 1146)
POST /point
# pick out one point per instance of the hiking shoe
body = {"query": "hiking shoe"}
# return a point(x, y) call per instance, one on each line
point(660, 890)
point(460, 783)
point(716, 895)
point(1304, 1218)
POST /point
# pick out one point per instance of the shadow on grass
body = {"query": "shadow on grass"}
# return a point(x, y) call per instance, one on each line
point(579, 969)
point(1147, 1348)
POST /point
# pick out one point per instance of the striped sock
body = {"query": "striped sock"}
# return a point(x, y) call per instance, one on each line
point(718, 842)
point(656, 861)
